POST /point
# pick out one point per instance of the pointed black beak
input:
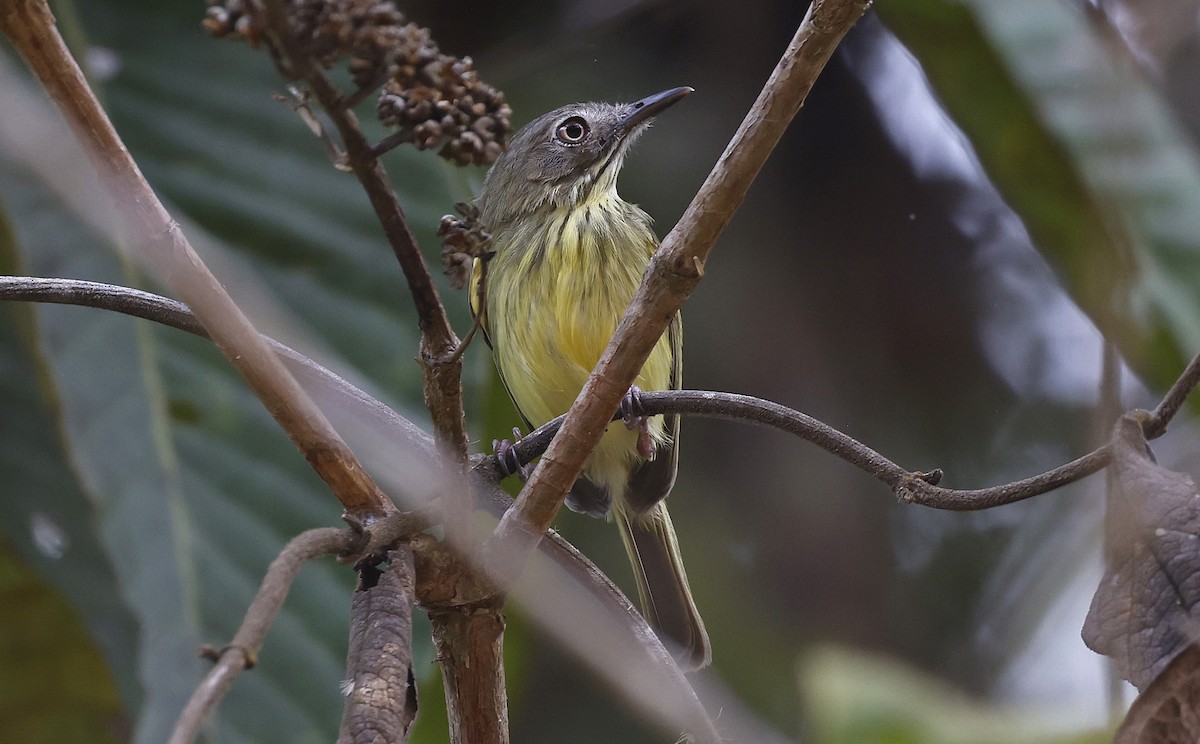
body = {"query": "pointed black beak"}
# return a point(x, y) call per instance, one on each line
point(640, 111)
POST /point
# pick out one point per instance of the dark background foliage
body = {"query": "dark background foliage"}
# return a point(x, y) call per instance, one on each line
point(939, 288)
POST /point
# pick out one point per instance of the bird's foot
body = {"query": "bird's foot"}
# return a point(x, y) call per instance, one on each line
point(506, 456)
point(633, 415)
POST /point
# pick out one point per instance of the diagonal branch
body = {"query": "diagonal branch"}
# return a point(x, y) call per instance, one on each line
point(673, 273)
point(441, 368)
point(160, 242)
point(394, 436)
point(242, 651)
point(443, 387)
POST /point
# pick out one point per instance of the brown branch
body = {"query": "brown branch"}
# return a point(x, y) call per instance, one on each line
point(673, 273)
point(441, 369)
point(242, 651)
point(443, 389)
point(477, 321)
point(912, 486)
point(30, 26)
point(1162, 414)
point(468, 630)
point(393, 436)
point(381, 699)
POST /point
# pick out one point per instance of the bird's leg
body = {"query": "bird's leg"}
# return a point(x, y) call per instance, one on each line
point(632, 414)
point(506, 456)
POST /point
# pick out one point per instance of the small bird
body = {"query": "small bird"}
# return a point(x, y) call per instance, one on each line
point(569, 256)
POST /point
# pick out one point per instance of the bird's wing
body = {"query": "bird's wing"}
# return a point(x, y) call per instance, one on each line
point(477, 310)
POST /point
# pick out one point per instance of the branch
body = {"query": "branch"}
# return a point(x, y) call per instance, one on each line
point(443, 388)
point(672, 275)
point(161, 243)
point(1156, 425)
point(242, 651)
point(912, 486)
point(468, 628)
point(385, 433)
point(381, 699)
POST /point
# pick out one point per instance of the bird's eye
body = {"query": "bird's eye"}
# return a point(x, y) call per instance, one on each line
point(572, 130)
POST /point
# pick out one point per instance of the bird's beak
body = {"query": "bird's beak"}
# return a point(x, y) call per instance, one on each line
point(640, 111)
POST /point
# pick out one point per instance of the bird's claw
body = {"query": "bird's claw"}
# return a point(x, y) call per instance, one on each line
point(631, 409)
point(634, 417)
point(507, 459)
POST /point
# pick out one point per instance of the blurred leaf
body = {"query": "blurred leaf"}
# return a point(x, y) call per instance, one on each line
point(1087, 152)
point(44, 512)
point(195, 487)
point(105, 407)
point(859, 698)
point(54, 685)
point(1145, 611)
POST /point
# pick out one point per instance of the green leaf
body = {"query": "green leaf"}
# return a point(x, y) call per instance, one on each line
point(1086, 150)
point(854, 697)
point(190, 485)
point(109, 412)
point(54, 684)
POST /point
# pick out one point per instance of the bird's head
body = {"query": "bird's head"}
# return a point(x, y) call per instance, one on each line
point(566, 157)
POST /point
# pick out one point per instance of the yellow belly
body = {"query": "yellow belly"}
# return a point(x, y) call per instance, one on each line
point(550, 315)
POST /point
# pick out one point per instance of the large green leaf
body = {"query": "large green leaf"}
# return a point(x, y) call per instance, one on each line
point(858, 698)
point(54, 684)
point(1086, 150)
point(194, 487)
point(111, 421)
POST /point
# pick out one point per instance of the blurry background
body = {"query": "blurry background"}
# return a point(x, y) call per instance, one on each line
point(976, 197)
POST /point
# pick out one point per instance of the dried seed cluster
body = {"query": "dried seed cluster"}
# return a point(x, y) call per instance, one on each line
point(434, 99)
point(366, 31)
point(440, 100)
point(234, 19)
point(463, 240)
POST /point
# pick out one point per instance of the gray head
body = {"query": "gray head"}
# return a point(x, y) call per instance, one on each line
point(564, 157)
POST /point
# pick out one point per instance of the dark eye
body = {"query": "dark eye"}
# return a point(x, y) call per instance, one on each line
point(572, 130)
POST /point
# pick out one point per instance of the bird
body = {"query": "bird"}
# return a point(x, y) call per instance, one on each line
point(568, 256)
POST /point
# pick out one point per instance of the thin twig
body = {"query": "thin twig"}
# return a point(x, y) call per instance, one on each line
point(466, 340)
point(1162, 414)
point(396, 435)
point(442, 379)
point(673, 274)
point(242, 651)
point(912, 486)
point(297, 101)
point(391, 142)
point(364, 91)
point(163, 246)
point(477, 321)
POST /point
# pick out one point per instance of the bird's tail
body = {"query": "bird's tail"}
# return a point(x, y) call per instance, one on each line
point(662, 584)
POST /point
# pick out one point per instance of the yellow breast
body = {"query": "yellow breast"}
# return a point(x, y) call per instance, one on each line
point(556, 290)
